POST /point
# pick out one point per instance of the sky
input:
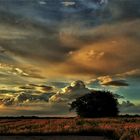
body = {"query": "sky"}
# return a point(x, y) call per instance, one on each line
point(53, 51)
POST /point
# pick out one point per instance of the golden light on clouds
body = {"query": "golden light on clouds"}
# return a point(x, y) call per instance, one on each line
point(44, 46)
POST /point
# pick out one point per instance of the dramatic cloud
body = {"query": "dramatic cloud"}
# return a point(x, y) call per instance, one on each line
point(116, 83)
point(89, 48)
point(12, 75)
point(69, 93)
point(32, 100)
point(35, 101)
point(23, 98)
point(33, 93)
point(110, 55)
point(109, 81)
point(46, 44)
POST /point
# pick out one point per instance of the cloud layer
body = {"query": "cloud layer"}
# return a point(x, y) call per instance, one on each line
point(92, 49)
point(45, 43)
point(33, 101)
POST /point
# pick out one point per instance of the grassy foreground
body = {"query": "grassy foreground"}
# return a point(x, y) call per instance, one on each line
point(120, 128)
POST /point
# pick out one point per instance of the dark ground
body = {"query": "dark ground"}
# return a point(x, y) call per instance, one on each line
point(52, 138)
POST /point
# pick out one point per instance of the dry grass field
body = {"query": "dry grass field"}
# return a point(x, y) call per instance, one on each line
point(120, 128)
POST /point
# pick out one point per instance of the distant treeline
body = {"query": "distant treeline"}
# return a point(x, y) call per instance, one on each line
point(37, 117)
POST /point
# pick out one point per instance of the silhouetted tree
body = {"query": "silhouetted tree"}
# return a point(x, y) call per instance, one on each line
point(96, 104)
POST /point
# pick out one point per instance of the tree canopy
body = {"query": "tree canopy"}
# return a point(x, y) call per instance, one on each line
point(96, 104)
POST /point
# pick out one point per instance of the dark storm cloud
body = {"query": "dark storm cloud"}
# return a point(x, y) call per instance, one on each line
point(32, 41)
point(53, 12)
point(44, 42)
point(25, 37)
point(38, 88)
point(116, 83)
point(46, 88)
point(124, 9)
point(43, 88)
point(27, 87)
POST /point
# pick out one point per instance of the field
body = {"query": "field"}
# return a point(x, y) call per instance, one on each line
point(120, 128)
